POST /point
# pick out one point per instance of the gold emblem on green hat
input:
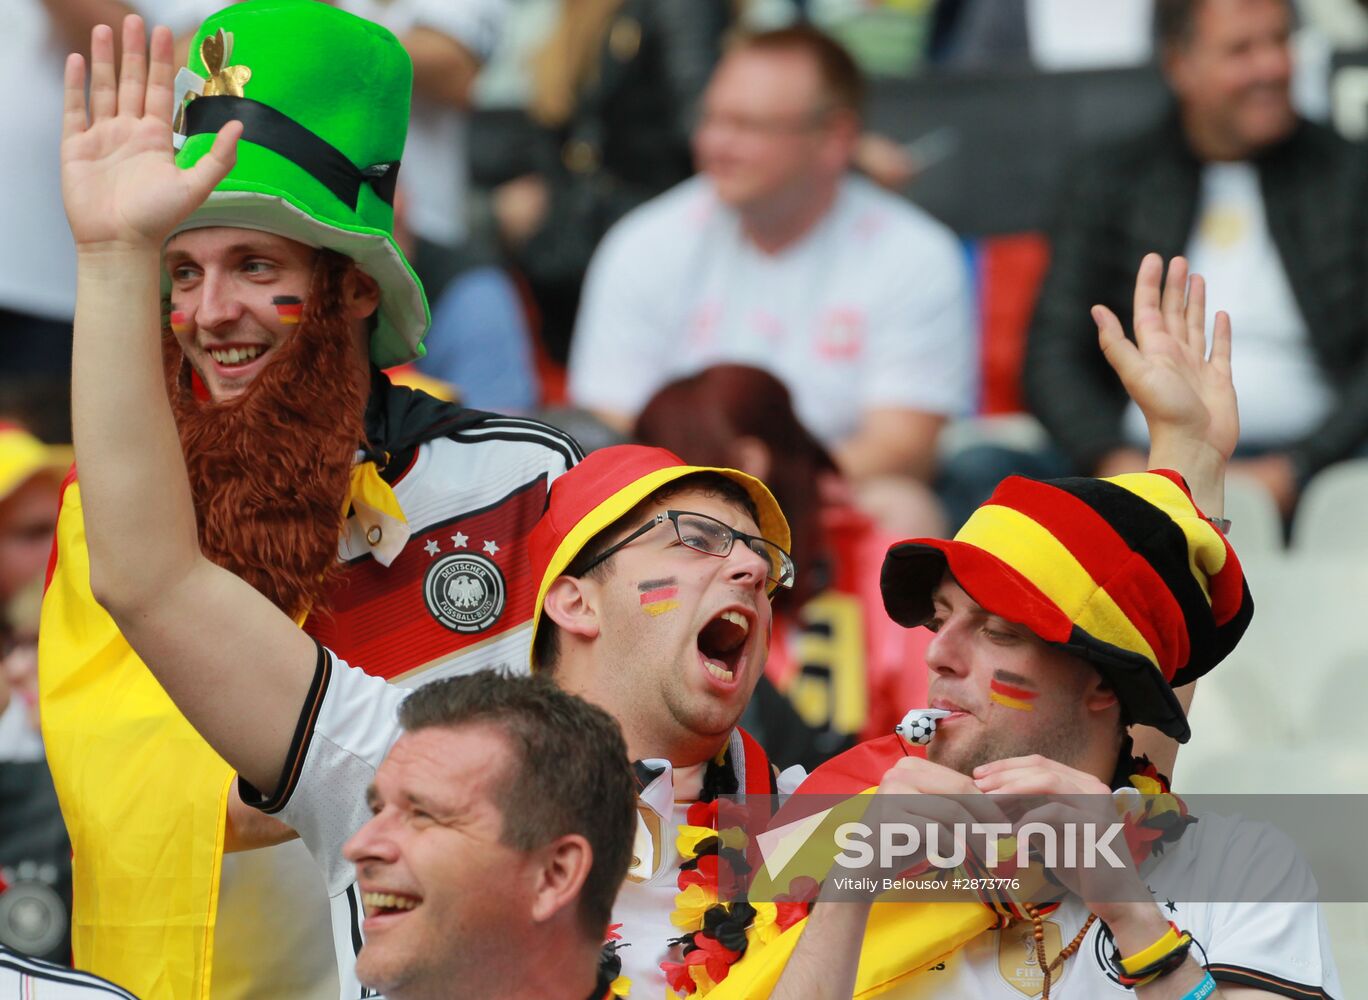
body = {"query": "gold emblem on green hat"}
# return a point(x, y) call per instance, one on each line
point(227, 81)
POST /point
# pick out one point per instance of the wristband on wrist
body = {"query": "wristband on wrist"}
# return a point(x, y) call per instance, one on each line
point(1203, 989)
point(1166, 943)
point(1159, 959)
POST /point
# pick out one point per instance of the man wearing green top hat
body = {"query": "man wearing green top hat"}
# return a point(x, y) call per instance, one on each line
point(392, 526)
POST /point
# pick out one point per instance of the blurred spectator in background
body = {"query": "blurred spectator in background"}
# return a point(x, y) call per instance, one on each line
point(30, 477)
point(1330, 30)
point(885, 37)
point(479, 347)
point(37, 263)
point(448, 41)
point(1051, 35)
point(776, 256)
point(842, 664)
point(35, 855)
point(479, 341)
point(615, 87)
point(1271, 209)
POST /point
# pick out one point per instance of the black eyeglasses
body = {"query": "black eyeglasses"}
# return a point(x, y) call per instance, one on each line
point(712, 537)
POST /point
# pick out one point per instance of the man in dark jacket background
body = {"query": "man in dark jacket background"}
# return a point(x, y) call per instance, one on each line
point(1271, 209)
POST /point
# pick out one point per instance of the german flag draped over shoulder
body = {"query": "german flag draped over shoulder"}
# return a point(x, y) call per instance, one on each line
point(143, 796)
point(902, 940)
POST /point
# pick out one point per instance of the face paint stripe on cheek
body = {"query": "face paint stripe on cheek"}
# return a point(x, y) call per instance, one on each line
point(1011, 696)
point(288, 308)
point(658, 596)
point(180, 323)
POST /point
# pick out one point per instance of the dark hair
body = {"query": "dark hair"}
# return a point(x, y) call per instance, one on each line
point(570, 771)
point(701, 416)
point(1173, 22)
point(842, 83)
point(546, 648)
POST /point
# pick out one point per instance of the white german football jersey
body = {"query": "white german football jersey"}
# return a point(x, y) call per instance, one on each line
point(1281, 948)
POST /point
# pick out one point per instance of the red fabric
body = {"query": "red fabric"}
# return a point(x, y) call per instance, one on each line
point(1002, 590)
point(1011, 269)
point(52, 555)
point(593, 482)
point(890, 659)
point(1140, 592)
point(859, 768)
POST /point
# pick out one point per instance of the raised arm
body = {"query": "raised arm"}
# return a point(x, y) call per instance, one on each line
point(1188, 401)
point(1187, 397)
point(237, 667)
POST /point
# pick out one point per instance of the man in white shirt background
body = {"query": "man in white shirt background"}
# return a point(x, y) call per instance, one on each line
point(774, 255)
point(1267, 206)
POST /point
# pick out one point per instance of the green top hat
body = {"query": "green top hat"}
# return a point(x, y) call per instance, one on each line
point(323, 96)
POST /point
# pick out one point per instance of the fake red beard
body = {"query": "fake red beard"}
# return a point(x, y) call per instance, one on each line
point(270, 470)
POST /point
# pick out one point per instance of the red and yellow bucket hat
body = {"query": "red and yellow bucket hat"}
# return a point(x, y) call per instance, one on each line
point(607, 485)
point(1125, 573)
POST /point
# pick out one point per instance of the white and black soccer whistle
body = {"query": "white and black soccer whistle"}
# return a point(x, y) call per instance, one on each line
point(919, 725)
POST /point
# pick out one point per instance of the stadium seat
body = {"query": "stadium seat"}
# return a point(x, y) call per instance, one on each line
point(1330, 517)
point(1255, 524)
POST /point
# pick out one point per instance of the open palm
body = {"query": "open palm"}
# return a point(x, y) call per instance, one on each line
point(120, 182)
point(1166, 370)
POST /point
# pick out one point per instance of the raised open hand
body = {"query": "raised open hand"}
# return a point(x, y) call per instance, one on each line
point(1182, 392)
point(120, 182)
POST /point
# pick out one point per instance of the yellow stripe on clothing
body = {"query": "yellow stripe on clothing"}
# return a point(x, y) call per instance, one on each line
point(1205, 545)
point(1040, 557)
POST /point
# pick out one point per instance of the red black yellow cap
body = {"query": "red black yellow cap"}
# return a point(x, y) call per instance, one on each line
point(1125, 573)
point(608, 484)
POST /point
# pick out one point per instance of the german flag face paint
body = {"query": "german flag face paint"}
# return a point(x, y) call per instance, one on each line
point(288, 308)
point(658, 596)
point(180, 323)
point(1011, 695)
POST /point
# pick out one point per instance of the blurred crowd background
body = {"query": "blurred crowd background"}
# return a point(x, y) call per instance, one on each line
point(855, 257)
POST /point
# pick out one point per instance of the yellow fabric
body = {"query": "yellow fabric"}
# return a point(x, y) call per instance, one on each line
point(368, 488)
point(1206, 545)
point(383, 522)
point(143, 796)
point(23, 456)
point(902, 940)
point(1040, 557)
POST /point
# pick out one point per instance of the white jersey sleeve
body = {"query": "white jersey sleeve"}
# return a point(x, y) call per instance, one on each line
point(347, 724)
point(24, 977)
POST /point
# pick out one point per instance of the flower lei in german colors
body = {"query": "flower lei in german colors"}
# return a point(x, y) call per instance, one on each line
point(718, 922)
point(720, 925)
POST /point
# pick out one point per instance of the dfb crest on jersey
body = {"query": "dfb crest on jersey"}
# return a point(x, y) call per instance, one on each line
point(464, 592)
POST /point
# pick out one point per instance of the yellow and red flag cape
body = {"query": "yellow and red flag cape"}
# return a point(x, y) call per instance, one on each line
point(902, 940)
point(143, 796)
